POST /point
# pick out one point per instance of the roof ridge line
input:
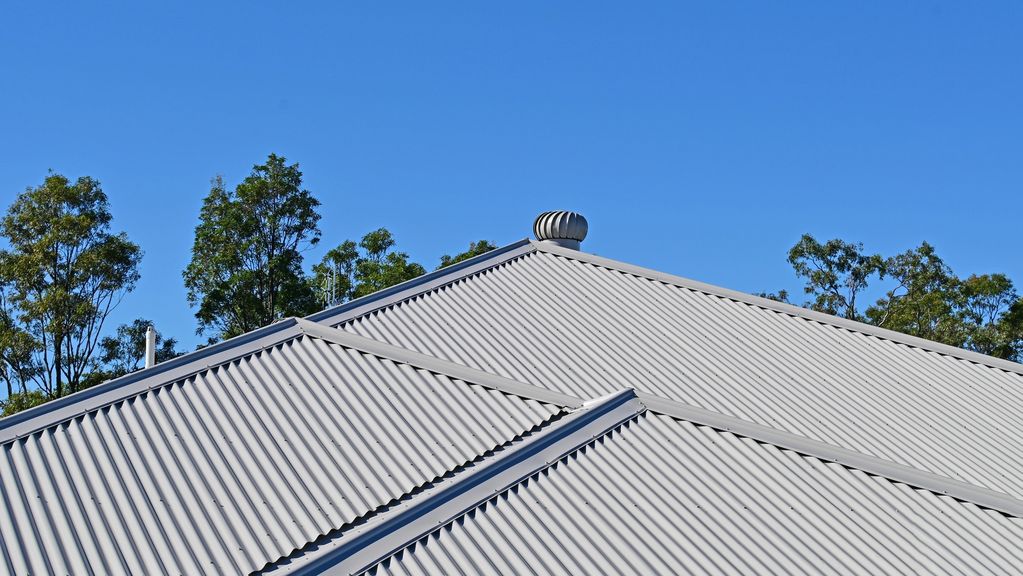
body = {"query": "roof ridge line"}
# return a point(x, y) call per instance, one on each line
point(334, 533)
point(134, 383)
point(165, 373)
point(392, 530)
point(873, 465)
point(436, 365)
point(424, 283)
point(790, 309)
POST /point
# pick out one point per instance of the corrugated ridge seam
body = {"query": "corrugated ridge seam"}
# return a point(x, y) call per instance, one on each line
point(390, 531)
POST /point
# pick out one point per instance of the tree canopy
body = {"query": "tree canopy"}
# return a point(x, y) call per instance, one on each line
point(926, 298)
point(63, 273)
point(353, 270)
point(836, 273)
point(475, 249)
point(125, 351)
point(246, 268)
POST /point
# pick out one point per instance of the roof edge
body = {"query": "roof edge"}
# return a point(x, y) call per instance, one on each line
point(873, 465)
point(383, 535)
point(67, 407)
point(421, 284)
point(782, 307)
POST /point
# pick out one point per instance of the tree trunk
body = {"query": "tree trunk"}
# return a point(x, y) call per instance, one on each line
point(58, 364)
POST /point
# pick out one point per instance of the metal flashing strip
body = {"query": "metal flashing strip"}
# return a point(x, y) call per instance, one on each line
point(424, 283)
point(436, 365)
point(823, 451)
point(162, 374)
point(392, 530)
point(62, 409)
point(782, 307)
point(963, 491)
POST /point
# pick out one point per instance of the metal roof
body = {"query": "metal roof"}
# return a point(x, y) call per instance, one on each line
point(618, 486)
point(586, 326)
point(221, 468)
point(662, 496)
point(457, 437)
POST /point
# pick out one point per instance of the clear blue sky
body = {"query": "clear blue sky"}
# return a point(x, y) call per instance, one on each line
point(701, 140)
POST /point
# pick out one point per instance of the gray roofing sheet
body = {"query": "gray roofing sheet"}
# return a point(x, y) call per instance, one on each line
point(232, 467)
point(586, 326)
point(661, 495)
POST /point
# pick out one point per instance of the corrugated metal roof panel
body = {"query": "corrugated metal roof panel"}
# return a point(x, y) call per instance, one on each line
point(587, 330)
point(238, 465)
point(658, 495)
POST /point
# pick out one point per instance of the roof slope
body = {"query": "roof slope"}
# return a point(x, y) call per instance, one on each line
point(586, 326)
point(619, 486)
point(658, 495)
point(235, 457)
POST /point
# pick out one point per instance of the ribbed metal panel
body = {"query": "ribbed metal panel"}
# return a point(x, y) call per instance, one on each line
point(664, 496)
point(587, 330)
point(241, 464)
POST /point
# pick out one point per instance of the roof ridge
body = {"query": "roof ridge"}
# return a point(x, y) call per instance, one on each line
point(466, 268)
point(437, 365)
point(134, 383)
point(873, 465)
point(424, 283)
point(397, 526)
point(821, 450)
point(166, 373)
point(333, 533)
point(790, 309)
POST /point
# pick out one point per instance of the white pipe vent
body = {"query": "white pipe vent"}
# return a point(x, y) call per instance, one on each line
point(561, 227)
point(150, 347)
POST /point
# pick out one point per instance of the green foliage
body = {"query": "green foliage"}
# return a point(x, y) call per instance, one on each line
point(836, 273)
point(18, 366)
point(62, 274)
point(983, 313)
point(931, 302)
point(125, 352)
point(353, 270)
point(990, 309)
point(19, 401)
point(475, 249)
point(925, 299)
point(380, 267)
point(779, 296)
point(246, 267)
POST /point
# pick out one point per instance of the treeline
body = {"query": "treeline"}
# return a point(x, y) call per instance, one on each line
point(925, 298)
point(64, 269)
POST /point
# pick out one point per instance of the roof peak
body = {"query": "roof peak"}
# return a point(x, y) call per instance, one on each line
point(494, 258)
point(784, 308)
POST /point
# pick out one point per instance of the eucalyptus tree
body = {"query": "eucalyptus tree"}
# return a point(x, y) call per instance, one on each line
point(475, 249)
point(352, 269)
point(61, 275)
point(246, 266)
point(925, 298)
